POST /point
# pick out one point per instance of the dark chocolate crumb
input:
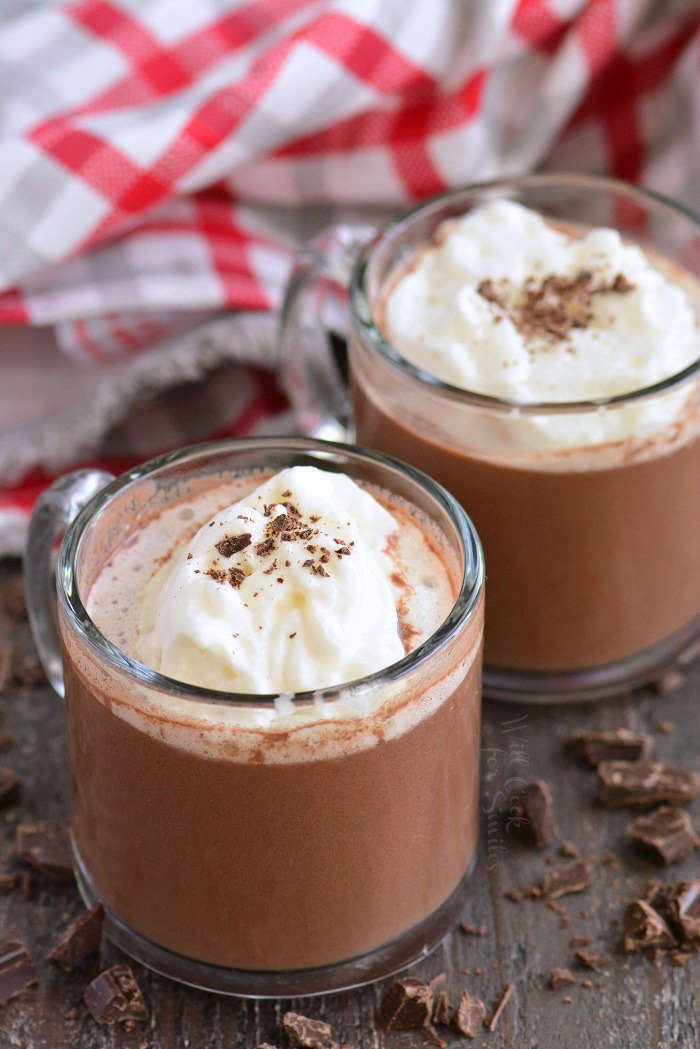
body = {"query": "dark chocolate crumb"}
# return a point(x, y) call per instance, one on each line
point(613, 745)
point(569, 877)
point(407, 1005)
point(471, 930)
point(46, 846)
point(560, 978)
point(305, 1033)
point(530, 815)
point(233, 544)
point(503, 998)
point(590, 960)
point(469, 1015)
point(645, 783)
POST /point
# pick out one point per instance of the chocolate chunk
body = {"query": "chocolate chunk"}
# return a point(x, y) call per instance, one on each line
point(115, 997)
point(628, 784)
point(470, 1014)
point(644, 927)
point(492, 1023)
point(233, 544)
point(668, 681)
point(17, 971)
point(569, 877)
point(666, 832)
point(560, 978)
point(282, 523)
point(590, 960)
point(615, 745)
point(441, 1010)
point(684, 911)
point(530, 814)
point(46, 846)
point(471, 930)
point(407, 1004)
point(78, 940)
point(265, 547)
point(308, 1034)
point(9, 786)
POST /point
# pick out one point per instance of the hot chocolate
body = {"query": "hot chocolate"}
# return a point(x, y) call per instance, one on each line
point(274, 834)
point(588, 515)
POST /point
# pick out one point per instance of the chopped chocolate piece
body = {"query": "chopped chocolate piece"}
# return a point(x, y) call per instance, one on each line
point(567, 1000)
point(579, 941)
point(406, 1005)
point(569, 877)
point(667, 832)
point(533, 892)
point(17, 971)
point(614, 745)
point(469, 1015)
point(471, 930)
point(668, 681)
point(9, 786)
point(568, 849)
point(586, 983)
point(78, 940)
point(513, 895)
point(621, 284)
point(308, 1034)
point(115, 997)
point(684, 911)
point(530, 816)
point(441, 1010)
point(627, 784)
point(46, 846)
point(265, 547)
point(590, 960)
point(644, 927)
point(233, 544)
point(500, 1006)
point(433, 1037)
point(281, 523)
point(560, 978)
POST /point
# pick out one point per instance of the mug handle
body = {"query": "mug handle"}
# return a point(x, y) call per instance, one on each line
point(313, 325)
point(54, 510)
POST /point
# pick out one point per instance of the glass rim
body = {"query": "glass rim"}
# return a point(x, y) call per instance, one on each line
point(467, 598)
point(363, 318)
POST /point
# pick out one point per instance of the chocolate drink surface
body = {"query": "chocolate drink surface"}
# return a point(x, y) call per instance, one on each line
point(589, 520)
point(261, 836)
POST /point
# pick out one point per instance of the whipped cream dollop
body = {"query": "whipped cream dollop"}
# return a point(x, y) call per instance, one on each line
point(503, 303)
point(286, 590)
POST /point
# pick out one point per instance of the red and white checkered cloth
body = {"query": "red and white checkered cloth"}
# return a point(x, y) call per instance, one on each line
point(159, 160)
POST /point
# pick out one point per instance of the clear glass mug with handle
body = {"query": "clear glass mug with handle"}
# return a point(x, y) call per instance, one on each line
point(592, 550)
point(262, 845)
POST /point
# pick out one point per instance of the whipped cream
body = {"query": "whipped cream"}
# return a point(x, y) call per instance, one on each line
point(503, 303)
point(286, 590)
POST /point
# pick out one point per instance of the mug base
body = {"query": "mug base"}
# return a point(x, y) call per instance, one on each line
point(390, 958)
point(592, 683)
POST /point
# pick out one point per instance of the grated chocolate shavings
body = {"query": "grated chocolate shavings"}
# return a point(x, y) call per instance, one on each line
point(233, 544)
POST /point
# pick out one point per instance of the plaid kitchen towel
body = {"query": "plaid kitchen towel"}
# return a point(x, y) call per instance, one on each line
point(161, 159)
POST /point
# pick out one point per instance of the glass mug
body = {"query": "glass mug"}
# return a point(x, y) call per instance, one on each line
point(592, 551)
point(232, 850)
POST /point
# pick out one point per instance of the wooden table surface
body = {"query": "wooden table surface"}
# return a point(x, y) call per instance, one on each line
point(632, 1003)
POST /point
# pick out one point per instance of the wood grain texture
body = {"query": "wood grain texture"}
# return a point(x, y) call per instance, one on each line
point(638, 1005)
